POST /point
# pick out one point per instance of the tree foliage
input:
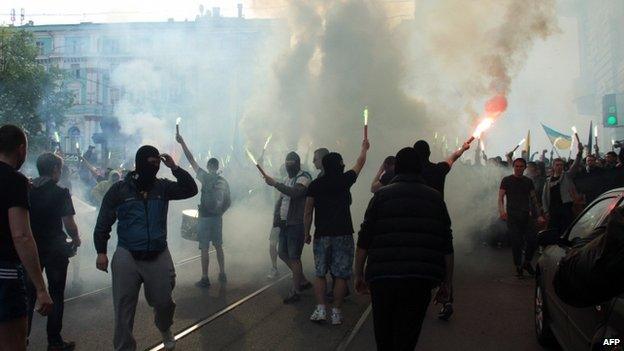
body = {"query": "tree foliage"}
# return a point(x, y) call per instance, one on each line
point(31, 95)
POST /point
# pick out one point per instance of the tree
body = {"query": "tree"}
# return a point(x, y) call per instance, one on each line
point(31, 96)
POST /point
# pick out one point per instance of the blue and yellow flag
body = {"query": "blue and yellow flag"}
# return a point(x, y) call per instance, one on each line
point(558, 140)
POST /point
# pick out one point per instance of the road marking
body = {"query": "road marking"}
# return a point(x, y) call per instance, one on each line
point(185, 332)
point(184, 261)
point(345, 343)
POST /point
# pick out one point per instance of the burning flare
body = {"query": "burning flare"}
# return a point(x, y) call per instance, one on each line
point(493, 109)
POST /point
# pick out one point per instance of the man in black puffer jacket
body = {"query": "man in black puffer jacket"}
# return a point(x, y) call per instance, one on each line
point(407, 240)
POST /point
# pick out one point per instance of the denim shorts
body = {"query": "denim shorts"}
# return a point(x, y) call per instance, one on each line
point(13, 297)
point(291, 239)
point(334, 254)
point(210, 229)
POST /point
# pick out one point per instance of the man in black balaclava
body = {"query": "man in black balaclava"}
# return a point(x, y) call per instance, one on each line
point(147, 161)
point(330, 198)
point(288, 216)
point(140, 203)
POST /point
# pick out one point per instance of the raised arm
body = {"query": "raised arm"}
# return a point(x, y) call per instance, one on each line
point(187, 153)
point(361, 160)
point(576, 165)
point(185, 186)
point(457, 154)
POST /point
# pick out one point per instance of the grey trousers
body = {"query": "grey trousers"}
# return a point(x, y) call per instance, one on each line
point(158, 278)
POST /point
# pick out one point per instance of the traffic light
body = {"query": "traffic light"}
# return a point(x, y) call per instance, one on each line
point(610, 111)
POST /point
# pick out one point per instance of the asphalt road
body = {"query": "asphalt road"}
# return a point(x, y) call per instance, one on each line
point(493, 310)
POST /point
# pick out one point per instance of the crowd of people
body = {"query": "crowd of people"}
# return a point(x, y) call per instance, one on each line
point(403, 252)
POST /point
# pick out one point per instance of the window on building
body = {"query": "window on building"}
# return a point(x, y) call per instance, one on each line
point(93, 86)
point(75, 70)
point(40, 47)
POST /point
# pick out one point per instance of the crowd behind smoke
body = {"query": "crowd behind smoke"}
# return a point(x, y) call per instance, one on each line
point(308, 90)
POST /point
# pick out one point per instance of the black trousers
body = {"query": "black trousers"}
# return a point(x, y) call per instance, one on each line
point(56, 273)
point(522, 235)
point(399, 308)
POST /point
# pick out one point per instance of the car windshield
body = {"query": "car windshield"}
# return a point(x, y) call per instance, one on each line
point(584, 227)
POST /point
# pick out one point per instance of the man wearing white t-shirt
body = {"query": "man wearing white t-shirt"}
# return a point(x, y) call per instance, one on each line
point(288, 216)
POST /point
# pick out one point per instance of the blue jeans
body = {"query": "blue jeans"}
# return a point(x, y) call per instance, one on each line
point(334, 254)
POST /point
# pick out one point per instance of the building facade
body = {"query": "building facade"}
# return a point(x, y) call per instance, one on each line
point(211, 53)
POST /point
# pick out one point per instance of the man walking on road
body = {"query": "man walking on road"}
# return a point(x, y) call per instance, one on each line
point(18, 250)
point(51, 210)
point(288, 216)
point(215, 200)
point(407, 245)
point(519, 211)
point(140, 204)
point(329, 198)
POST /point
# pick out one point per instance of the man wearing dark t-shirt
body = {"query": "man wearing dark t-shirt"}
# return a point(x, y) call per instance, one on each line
point(51, 209)
point(519, 211)
point(434, 174)
point(18, 250)
point(329, 198)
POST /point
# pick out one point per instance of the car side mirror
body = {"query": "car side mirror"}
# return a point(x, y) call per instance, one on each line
point(548, 237)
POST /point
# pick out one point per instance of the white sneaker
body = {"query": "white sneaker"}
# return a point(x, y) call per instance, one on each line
point(168, 340)
point(336, 317)
point(319, 314)
point(273, 273)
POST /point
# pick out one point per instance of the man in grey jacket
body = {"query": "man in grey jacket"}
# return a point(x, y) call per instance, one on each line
point(288, 216)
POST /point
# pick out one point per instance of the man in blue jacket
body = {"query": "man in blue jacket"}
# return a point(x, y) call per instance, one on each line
point(140, 203)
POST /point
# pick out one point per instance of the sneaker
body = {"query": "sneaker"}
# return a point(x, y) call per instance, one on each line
point(528, 268)
point(203, 283)
point(62, 346)
point(222, 277)
point(305, 286)
point(292, 297)
point(319, 314)
point(168, 340)
point(519, 271)
point(446, 311)
point(336, 317)
point(273, 273)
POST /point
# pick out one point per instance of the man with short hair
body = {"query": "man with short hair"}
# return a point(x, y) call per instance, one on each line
point(611, 160)
point(215, 200)
point(329, 198)
point(288, 216)
point(318, 160)
point(140, 202)
point(18, 249)
point(434, 174)
point(405, 259)
point(51, 209)
point(518, 206)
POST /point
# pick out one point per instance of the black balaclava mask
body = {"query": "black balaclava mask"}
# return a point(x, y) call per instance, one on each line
point(145, 170)
point(332, 164)
point(293, 170)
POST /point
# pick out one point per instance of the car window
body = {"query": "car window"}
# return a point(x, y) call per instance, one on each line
point(590, 219)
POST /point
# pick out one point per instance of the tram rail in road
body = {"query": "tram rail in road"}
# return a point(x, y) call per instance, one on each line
point(205, 321)
point(96, 291)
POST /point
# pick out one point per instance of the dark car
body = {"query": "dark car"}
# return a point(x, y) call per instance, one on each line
point(591, 328)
